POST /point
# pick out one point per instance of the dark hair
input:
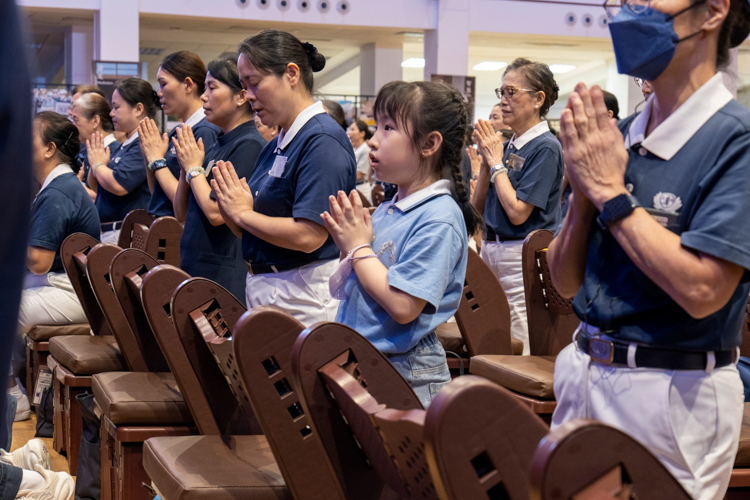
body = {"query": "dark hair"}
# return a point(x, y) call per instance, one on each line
point(87, 89)
point(425, 107)
point(57, 129)
point(362, 127)
point(185, 64)
point(539, 78)
point(271, 50)
point(335, 111)
point(734, 30)
point(92, 105)
point(225, 71)
point(611, 102)
point(135, 90)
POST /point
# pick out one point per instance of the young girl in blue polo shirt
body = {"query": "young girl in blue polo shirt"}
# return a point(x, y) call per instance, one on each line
point(409, 258)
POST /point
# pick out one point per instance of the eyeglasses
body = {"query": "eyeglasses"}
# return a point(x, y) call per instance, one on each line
point(509, 92)
point(613, 7)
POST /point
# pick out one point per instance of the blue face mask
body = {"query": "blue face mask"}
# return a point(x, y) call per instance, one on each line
point(644, 42)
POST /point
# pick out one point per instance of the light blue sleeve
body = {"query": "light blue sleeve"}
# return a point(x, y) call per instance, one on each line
point(426, 264)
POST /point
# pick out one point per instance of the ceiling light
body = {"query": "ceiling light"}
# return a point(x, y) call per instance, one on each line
point(490, 66)
point(559, 69)
point(413, 62)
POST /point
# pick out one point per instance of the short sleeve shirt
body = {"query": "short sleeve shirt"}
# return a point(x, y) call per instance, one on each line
point(62, 208)
point(319, 163)
point(535, 172)
point(82, 158)
point(128, 170)
point(706, 183)
point(425, 248)
point(160, 204)
point(362, 155)
point(214, 252)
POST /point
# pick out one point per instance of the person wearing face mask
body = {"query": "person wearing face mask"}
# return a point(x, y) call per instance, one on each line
point(278, 210)
point(519, 184)
point(181, 78)
point(118, 176)
point(654, 246)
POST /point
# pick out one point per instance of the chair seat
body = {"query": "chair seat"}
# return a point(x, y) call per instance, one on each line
point(214, 468)
point(140, 398)
point(42, 333)
point(451, 339)
point(743, 453)
point(527, 375)
point(87, 354)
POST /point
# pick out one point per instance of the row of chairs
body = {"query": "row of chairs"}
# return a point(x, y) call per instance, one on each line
point(187, 389)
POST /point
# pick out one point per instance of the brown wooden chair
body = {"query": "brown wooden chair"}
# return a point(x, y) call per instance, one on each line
point(551, 326)
point(365, 202)
point(135, 406)
point(378, 195)
point(739, 482)
point(585, 459)
point(480, 440)
point(333, 348)
point(483, 318)
point(138, 216)
point(259, 348)
point(74, 359)
point(161, 239)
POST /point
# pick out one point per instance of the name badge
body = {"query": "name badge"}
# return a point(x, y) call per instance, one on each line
point(278, 167)
point(515, 162)
point(210, 165)
point(665, 219)
point(117, 160)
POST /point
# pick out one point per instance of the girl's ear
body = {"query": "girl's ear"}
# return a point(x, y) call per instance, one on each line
point(140, 110)
point(431, 144)
point(292, 74)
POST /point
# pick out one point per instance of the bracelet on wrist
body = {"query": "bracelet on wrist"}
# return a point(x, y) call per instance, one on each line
point(93, 169)
point(351, 252)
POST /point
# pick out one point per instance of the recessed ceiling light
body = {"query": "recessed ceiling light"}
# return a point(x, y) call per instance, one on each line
point(490, 66)
point(559, 69)
point(413, 62)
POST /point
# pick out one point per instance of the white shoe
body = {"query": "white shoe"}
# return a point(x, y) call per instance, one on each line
point(23, 407)
point(33, 453)
point(57, 486)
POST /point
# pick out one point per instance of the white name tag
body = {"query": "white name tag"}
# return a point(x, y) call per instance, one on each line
point(117, 160)
point(278, 167)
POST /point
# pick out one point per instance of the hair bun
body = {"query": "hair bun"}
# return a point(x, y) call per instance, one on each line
point(316, 59)
point(555, 86)
point(155, 97)
point(740, 28)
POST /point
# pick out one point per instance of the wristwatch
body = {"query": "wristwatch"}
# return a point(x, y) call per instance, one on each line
point(497, 169)
point(157, 164)
point(193, 173)
point(617, 208)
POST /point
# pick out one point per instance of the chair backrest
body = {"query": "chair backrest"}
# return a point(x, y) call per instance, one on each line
point(392, 440)
point(483, 315)
point(479, 441)
point(365, 202)
point(74, 252)
point(200, 306)
point(97, 264)
point(551, 318)
point(585, 459)
point(138, 216)
point(161, 240)
point(260, 347)
point(320, 345)
point(138, 341)
point(378, 195)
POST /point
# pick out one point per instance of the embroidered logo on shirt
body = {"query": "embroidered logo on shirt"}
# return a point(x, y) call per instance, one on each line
point(173, 152)
point(667, 202)
point(390, 247)
point(629, 187)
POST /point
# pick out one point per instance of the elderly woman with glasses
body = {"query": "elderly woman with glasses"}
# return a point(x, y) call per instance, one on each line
point(654, 245)
point(519, 185)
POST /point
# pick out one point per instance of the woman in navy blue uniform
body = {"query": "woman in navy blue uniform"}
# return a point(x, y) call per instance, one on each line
point(654, 247)
point(519, 183)
point(278, 211)
point(181, 80)
point(90, 114)
point(119, 177)
point(208, 247)
point(61, 207)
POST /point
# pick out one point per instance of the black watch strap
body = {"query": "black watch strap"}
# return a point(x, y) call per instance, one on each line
point(617, 208)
